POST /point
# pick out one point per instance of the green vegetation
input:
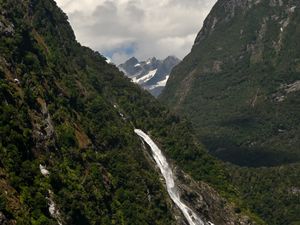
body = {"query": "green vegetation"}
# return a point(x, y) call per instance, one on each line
point(231, 86)
point(60, 114)
point(60, 108)
point(271, 191)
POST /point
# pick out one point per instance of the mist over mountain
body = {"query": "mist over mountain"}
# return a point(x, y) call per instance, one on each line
point(121, 29)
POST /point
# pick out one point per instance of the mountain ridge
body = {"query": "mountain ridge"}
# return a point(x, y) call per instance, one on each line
point(239, 87)
point(151, 74)
point(68, 151)
point(239, 52)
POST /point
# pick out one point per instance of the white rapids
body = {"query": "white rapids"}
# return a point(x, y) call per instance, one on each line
point(167, 173)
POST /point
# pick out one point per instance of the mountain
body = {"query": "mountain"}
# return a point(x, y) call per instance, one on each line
point(243, 76)
point(152, 74)
point(239, 86)
point(70, 146)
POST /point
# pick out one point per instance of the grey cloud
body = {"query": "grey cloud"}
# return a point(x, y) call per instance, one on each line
point(105, 10)
point(134, 11)
point(155, 28)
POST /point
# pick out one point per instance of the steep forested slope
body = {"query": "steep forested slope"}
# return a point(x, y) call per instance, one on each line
point(240, 88)
point(55, 113)
point(68, 152)
point(240, 83)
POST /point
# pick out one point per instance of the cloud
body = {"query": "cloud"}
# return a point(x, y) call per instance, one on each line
point(142, 28)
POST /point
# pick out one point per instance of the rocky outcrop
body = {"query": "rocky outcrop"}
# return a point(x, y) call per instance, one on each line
point(206, 201)
point(244, 46)
point(3, 219)
point(43, 129)
point(240, 87)
point(200, 197)
point(284, 90)
point(289, 88)
point(129, 67)
point(152, 75)
point(223, 7)
point(6, 28)
point(225, 10)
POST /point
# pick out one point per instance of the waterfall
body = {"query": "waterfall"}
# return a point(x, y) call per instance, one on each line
point(160, 159)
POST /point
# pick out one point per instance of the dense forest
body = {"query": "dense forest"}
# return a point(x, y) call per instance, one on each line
point(68, 152)
point(239, 86)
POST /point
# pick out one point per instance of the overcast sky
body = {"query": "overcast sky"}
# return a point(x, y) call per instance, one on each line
point(120, 29)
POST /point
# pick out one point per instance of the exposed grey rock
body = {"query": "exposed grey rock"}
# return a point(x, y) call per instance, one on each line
point(208, 203)
point(3, 219)
point(286, 89)
point(292, 87)
point(152, 74)
point(43, 129)
point(53, 210)
point(274, 3)
point(257, 49)
point(6, 28)
point(164, 68)
point(129, 67)
point(294, 190)
point(229, 8)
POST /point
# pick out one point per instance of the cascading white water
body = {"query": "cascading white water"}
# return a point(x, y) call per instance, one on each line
point(167, 173)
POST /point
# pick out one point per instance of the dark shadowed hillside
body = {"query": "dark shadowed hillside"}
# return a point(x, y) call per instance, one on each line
point(240, 88)
point(240, 83)
point(68, 151)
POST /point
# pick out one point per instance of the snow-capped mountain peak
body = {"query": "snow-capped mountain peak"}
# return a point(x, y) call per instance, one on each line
point(151, 74)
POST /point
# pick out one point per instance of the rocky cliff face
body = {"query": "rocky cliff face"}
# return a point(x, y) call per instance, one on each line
point(152, 74)
point(224, 11)
point(239, 86)
point(68, 152)
point(204, 199)
point(241, 60)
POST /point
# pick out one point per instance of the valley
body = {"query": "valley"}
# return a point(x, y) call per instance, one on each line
point(212, 139)
point(235, 87)
point(152, 75)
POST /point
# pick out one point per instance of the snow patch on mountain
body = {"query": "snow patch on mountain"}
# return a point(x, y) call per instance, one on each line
point(152, 74)
point(145, 78)
point(160, 83)
point(163, 82)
